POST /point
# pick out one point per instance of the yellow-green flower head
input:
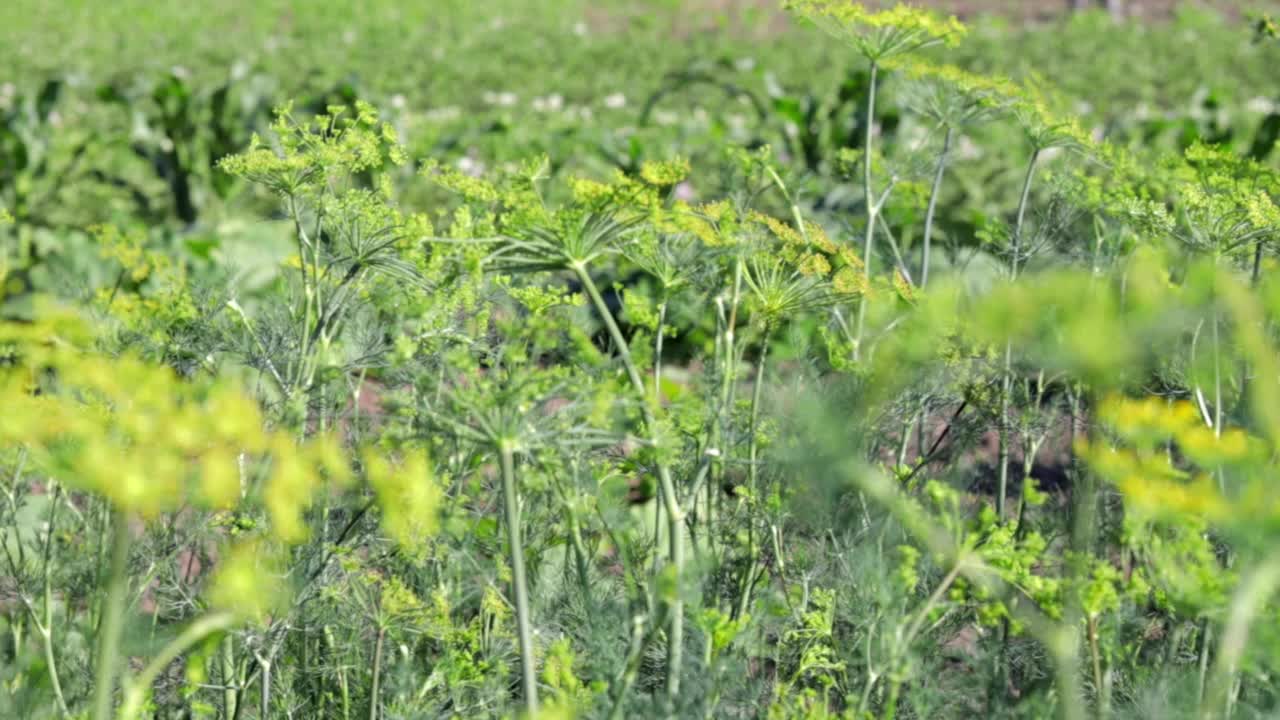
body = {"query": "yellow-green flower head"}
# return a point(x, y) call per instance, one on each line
point(1045, 127)
point(248, 583)
point(954, 96)
point(879, 35)
point(1265, 27)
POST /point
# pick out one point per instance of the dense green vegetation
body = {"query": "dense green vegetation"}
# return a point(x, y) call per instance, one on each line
point(568, 359)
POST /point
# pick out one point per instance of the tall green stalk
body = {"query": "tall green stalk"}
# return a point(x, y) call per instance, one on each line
point(727, 358)
point(229, 678)
point(45, 625)
point(870, 201)
point(520, 588)
point(675, 517)
point(753, 450)
point(112, 619)
point(1256, 588)
point(375, 687)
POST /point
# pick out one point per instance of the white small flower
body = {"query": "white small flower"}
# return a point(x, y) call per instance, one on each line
point(615, 101)
point(665, 117)
point(444, 114)
point(470, 166)
point(745, 64)
point(397, 101)
point(507, 99)
point(685, 192)
point(580, 29)
point(1260, 105)
point(180, 72)
point(349, 37)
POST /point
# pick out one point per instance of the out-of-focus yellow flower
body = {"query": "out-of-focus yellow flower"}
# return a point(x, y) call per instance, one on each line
point(248, 583)
point(145, 439)
point(408, 495)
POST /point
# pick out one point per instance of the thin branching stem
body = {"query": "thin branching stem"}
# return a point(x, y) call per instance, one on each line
point(1006, 383)
point(934, 192)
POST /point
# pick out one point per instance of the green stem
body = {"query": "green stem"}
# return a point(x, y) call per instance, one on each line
point(753, 449)
point(374, 689)
point(657, 351)
point(1022, 211)
point(1061, 643)
point(112, 619)
point(933, 205)
point(46, 626)
point(264, 700)
point(657, 393)
point(1095, 657)
point(872, 209)
point(137, 688)
point(580, 555)
point(343, 688)
point(728, 374)
point(1255, 590)
point(229, 678)
point(1006, 386)
point(520, 589)
point(923, 614)
point(630, 669)
point(675, 517)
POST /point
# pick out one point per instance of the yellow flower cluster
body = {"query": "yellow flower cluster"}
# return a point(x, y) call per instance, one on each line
point(147, 440)
point(990, 90)
point(1144, 468)
point(881, 34)
point(814, 254)
point(408, 494)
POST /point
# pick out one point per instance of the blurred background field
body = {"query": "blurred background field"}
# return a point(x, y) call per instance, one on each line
point(123, 107)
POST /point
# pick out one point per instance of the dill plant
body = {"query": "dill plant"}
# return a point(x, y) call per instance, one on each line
point(878, 37)
point(529, 404)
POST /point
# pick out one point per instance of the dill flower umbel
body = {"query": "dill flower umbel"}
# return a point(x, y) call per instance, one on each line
point(879, 35)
